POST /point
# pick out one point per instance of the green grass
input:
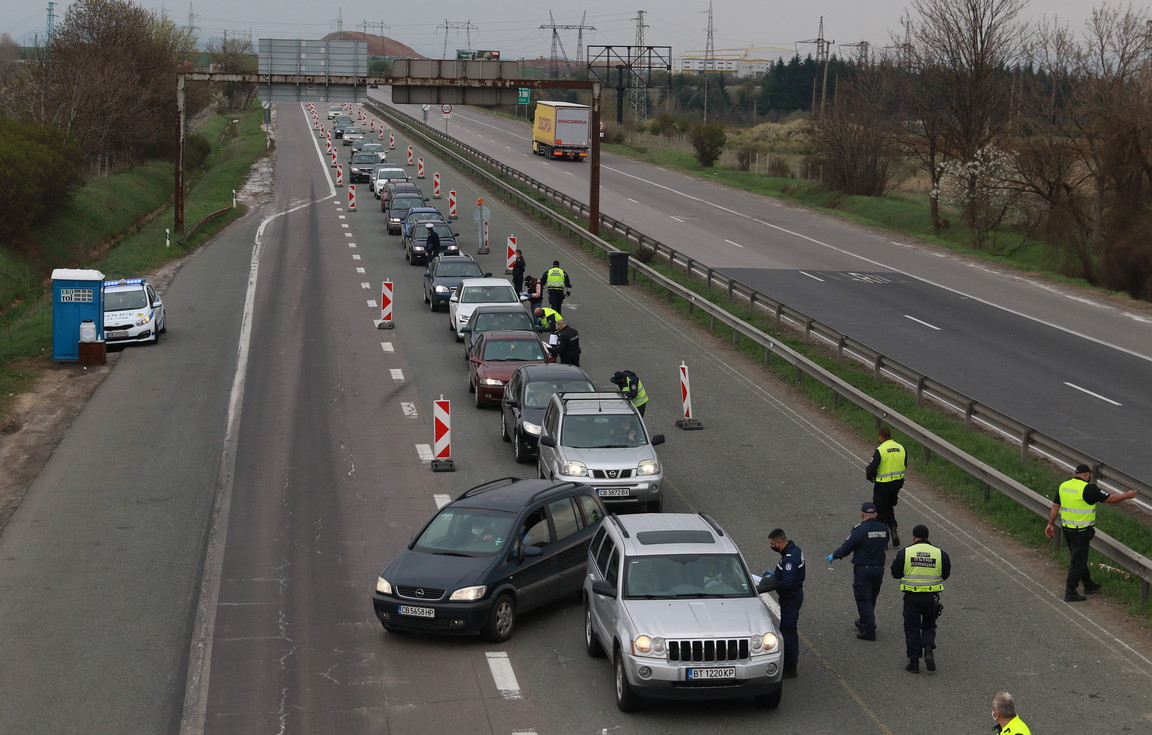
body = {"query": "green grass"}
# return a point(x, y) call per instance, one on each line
point(116, 225)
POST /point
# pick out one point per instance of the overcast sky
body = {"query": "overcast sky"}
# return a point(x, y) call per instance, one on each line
point(513, 28)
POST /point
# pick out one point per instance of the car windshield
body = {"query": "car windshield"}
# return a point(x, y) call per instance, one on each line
point(404, 202)
point(365, 158)
point(373, 147)
point(442, 230)
point(354, 131)
point(456, 270)
point(602, 431)
point(686, 576)
point(510, 350)
point(342, 120)
point(537, 395)
point(487, 321)
point(488, 295)
point(466, 532)
point(120, 300)
point(392, 174)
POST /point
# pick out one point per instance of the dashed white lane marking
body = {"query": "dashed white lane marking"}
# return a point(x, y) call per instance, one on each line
point(814, 278)
point(387, 347)
point(343, 216)
point(503, 675)
point(1094, 395)
point(523, 732)
point(409, 410)
point(734, 243)
point(351, 244)
point(365, 285)
point(921, 321)
point(355, 256)
point(345, 225)
point(347, 234)
point(372, 304)
point(677, 219)
point(360, 271)
point(440, 498)
point(396, 373)
point(632, 200)
point(424, 451)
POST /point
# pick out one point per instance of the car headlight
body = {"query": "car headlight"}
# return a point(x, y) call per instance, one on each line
point(648, 467)
point(469, 594)
point(492, 381)
point(765, 643)
point(574, 469)
point(383, 586)
point(417, 248)
point(533, 429)
point(143, 320)
point(442, 289)
point(646, 646)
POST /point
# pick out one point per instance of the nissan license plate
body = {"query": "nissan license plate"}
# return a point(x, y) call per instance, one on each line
point(612, 492)
point(419, 612)
point(725, 672)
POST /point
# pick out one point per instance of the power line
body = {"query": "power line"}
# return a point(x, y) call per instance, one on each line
point(457, 26)
point(558, 51)
point(822, 47)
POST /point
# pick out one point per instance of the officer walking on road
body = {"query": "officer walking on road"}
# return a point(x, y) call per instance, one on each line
point(557, 285)
point(867, 543)
point(886, 473)
point(789, 575)
point(1004, 712)
point(432, 245)
point(567, 345)
point(632, 389)
point(921, 569)
point(1075, 506)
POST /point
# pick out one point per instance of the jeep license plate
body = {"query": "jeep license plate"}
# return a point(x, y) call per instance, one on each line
point(612, 492)
point(419, 612)
point(726, 672)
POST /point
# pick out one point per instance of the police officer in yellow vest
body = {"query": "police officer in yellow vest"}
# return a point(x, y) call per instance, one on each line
point(546, 318)
point(886, 473)
point(630, 385)
point(1004, 712)
point(556, 285)
point(921, 569)
point(1075, 506)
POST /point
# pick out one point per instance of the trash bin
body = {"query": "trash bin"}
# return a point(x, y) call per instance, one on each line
point(77, 297)
point(618, 268)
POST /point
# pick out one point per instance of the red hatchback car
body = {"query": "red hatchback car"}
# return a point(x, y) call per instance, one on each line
point(495, 356)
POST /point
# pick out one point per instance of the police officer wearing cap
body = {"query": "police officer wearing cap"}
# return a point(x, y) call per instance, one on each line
point(557, 285)
point(1075, 506)
point(432, 245)
point(886, 473)
point(921, 569)
point(867, 543)
point(630, 385)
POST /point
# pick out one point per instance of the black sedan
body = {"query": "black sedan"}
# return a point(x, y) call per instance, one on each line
point(498, 550)
point(445, 274)
point(526, 396)
point(496, 316)
point(416, 241)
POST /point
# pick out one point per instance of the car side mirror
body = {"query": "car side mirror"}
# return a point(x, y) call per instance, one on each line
point(511, 403)
point(657, 439)
point(456, 299)
point(465, 330)
point(547, 440)
point(523, 297)
point(602, 587)
point(475, 359)
point(533, 551)
point(488, 275)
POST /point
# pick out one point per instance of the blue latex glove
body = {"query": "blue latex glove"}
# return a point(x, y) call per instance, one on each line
point(829, 559)
point(766, 574)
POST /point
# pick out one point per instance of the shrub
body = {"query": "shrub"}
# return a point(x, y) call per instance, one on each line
point(708, 142)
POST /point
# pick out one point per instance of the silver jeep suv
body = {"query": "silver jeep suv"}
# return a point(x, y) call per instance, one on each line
point(669, 597)
point(599, 439)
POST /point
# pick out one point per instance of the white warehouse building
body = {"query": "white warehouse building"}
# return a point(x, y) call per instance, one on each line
point(749, 62)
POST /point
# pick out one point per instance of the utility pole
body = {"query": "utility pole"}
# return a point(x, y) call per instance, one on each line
point(51, 24)
point(863, 52)
point(466, 26)
point(558, 51)
point(822, 48)
point(379, 26)
point(639, 91)
point(709, 57)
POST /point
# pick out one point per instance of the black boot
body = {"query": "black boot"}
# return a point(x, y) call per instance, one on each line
point(789, 671)
point(929, 659)
point(913, 666)
point(895, 537)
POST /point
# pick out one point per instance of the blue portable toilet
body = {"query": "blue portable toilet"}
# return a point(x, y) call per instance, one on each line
point(77, 296)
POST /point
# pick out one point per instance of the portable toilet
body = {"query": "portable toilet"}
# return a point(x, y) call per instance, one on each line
point(77, 297)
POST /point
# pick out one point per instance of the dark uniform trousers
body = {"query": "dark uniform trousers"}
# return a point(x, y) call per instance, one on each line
point(866, 581)
point(1079, 542)
point(920, 621)
point(555, 298)
point(885, 496)
point(790, 603)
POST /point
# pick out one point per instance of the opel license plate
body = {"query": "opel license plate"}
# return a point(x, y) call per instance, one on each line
point(612, 492)
point(419, 612)
point(725, 672)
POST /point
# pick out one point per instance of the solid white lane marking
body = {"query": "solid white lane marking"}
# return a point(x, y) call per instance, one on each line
point(1094, 395)
point(441, 500)
point(409, 410)
point(360, 271)
point(396, 373)
point(920, 321)
point(632, 200)
point(424, 451)
point(387, 347)
point(734, 243)
point(814, 278)
point(503, 675)
point(676, 218)
point(372, 304)
point(355, 256)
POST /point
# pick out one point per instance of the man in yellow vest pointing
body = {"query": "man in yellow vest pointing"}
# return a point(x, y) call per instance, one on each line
point(1075, 506)
point(921, 569)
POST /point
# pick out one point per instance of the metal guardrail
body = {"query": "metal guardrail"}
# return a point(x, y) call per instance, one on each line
point(925, 388)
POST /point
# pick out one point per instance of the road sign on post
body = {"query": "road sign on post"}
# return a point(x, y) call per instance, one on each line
point(523, 96)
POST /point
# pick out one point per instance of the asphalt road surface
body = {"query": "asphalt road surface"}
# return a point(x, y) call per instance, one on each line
point(210, 530)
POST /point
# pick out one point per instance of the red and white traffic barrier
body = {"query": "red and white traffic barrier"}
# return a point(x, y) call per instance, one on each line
point(333, 158)
point(451, 203)
point(435, 184)
point(339, 174)
point(442, 436)
point(385, 306)
point(686, 421)
point(351, 197)
point(372, 125)
point(409, 155)
point(420, 167)
point(511, 253)
point(484, 249)
point(391, 140)
point(381, 133)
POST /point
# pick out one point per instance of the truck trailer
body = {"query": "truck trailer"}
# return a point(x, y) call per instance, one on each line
point(561, 130)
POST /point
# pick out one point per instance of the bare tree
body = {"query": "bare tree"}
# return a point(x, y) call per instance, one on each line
point(235, 55)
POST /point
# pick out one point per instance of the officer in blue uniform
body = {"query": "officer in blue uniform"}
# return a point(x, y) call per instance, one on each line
point(867, 544)
point(789, 577)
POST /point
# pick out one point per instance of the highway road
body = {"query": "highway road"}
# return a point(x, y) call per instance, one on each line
point(1073, 367)
point(223, 586)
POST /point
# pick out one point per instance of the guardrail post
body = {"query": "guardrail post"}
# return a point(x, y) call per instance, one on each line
point(920, 389)
point(969, 410)
point(1025, 443)
point(876, 364)
point(840, 343)
point(807, 329)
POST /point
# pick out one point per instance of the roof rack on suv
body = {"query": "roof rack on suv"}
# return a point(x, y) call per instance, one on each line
point(552, 487)
point(719, 531)
point(616, 520)
point(491, 484)
point(603, 396)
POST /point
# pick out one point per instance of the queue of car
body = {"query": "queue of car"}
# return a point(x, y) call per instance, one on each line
point(667, 597)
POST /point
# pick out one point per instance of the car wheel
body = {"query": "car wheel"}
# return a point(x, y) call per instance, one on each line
point(770, 701)
point(591, 642)
point(431, 304)
point(480, 402)
point(471, 385)
point(504, 426)
point(626, 699)
point(155, 337)
point(502, 620)
point(426, 299)
point(656, 505)
point(164, 325)
point(458, 337)
point(540, 471)
point(518, 452)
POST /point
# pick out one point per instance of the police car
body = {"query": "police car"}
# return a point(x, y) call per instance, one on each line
point(133, 312)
